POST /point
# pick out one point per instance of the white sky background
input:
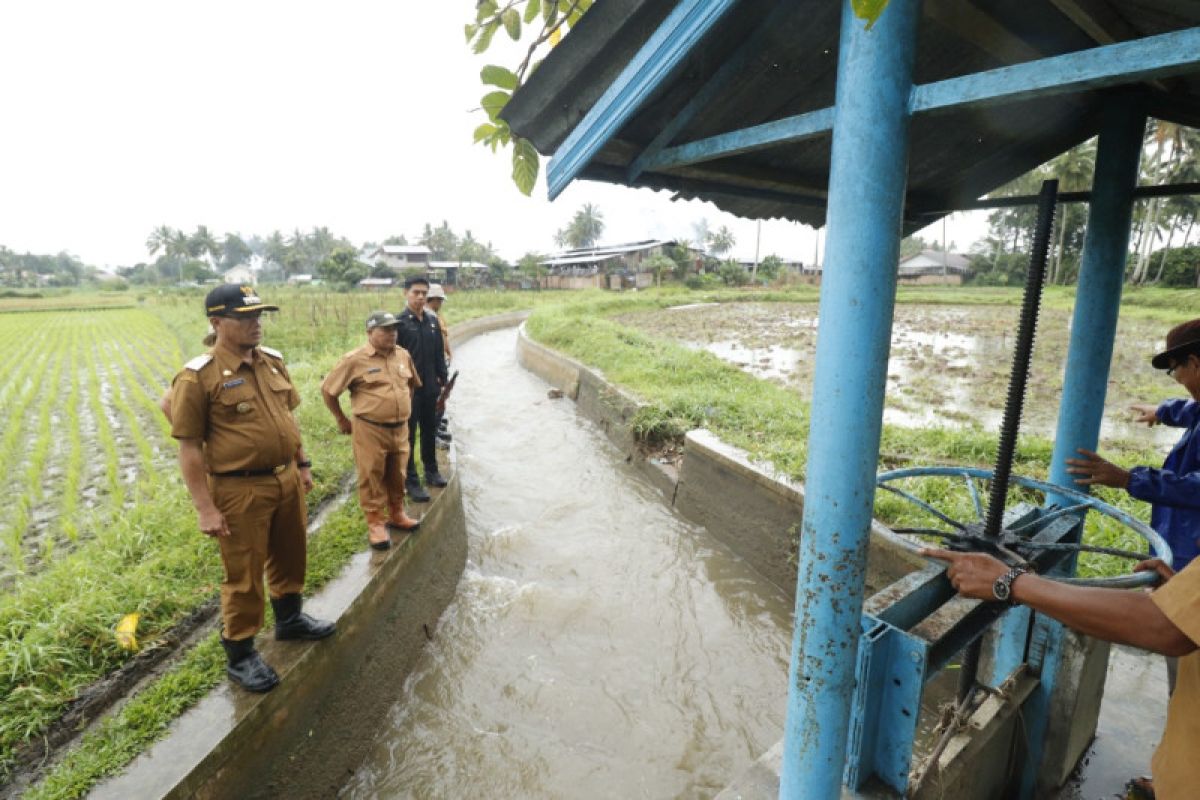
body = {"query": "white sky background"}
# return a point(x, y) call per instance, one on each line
point(255, 116)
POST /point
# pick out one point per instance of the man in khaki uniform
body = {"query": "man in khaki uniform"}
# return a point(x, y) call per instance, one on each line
point(243, 462)
point(381, 379)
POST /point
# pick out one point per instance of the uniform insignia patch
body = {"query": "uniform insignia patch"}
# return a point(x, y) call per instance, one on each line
point(271, 351)
point(374, 369)
point(198, 362)
point(233, 383)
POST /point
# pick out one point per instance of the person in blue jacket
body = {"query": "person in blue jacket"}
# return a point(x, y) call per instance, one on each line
point(1174, 490)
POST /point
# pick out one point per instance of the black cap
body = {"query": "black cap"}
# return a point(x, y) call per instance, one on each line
point(231, 300)
point(410, 282)
point(1182, 340)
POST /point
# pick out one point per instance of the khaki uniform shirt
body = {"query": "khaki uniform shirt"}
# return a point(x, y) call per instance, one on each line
point(380, 386)
point(1176, 763)
point(445, 334)
point(242, 412)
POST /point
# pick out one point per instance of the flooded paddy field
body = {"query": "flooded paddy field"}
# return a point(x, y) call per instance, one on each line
point(949, 365)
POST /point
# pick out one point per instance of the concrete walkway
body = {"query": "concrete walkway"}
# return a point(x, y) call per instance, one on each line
point(1132, 717)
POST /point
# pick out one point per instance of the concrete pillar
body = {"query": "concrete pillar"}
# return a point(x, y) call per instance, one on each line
point(868, 171)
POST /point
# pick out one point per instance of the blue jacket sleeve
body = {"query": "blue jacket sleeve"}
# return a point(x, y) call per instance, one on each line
point(1178, 413)
point(1181, 490)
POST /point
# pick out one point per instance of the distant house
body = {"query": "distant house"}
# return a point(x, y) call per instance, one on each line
point(449, 272)
point(613, 266)
point(934, 267)
point(401, 256)
point(241, 275)
point(376, 284)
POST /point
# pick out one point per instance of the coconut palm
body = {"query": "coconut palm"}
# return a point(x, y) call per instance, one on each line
point(721, 241)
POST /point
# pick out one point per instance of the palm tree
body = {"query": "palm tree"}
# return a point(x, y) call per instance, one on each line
point(159, 239)
point(202, 244)
point(722, 241)
point(1074, 170)
point(586, 227)
point(1163, 133)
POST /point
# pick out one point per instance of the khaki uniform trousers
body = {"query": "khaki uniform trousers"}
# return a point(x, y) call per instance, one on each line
point(268, 523)
point(381, 456)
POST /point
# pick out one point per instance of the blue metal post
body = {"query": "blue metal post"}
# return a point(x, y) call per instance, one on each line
point(866, 197)
point(1093, 330)
point(1101, 276)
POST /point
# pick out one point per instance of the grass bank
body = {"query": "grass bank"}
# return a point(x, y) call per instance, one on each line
point(686, 388)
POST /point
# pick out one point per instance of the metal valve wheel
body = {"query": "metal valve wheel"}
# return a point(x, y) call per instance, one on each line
point(1015, 545)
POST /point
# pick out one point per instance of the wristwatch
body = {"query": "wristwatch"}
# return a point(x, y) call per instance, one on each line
point(1002, 588)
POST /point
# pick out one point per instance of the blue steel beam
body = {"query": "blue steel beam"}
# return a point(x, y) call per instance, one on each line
point(867, 177)
point(683, 28)
point(1089, 354)
point(747, 50)
point(1161, 56)
point(1154, 56)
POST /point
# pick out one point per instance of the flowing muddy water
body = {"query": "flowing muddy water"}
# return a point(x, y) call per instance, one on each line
point(949, 365)
point(599, 645)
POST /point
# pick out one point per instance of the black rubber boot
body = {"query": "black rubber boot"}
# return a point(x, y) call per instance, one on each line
point(415, 491)
point(435, 479)
point(292, 623)
point(246, 667)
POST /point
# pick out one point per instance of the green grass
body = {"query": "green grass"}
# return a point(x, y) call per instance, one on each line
point(56, 624)
point(684, 389)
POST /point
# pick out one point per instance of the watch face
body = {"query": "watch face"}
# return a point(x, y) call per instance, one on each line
point(1001, 589)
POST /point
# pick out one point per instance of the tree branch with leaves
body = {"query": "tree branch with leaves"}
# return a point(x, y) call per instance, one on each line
point(517, 18)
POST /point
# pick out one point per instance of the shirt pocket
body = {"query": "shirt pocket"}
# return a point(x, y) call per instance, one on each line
point(238, 402)
point(282, 389)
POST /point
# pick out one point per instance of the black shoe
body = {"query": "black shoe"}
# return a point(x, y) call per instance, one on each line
point(435, 479)
point(246, 667)
point(292, 623)
point(415, 491)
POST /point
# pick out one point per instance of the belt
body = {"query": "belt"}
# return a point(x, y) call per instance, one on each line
point(399, 424)
point(252, 473)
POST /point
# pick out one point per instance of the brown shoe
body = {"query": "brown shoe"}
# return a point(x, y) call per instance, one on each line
point(399, 521)
point(378, 536)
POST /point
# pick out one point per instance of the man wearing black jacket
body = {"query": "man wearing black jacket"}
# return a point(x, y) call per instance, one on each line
point(421, 335)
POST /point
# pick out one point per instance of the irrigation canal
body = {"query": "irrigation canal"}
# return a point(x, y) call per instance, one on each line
point(599, 645)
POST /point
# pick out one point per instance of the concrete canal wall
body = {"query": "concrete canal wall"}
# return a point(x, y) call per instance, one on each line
point(748, 506)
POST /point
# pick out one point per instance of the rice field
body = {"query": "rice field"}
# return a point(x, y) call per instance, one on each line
point(78, 394)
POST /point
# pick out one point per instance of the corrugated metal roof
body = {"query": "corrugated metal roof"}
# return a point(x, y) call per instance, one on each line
point(954, 156)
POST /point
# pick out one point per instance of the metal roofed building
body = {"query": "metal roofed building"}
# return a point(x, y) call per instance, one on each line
point(808, 111)
point(401, 256)
point(934, 266)
point(591, 267)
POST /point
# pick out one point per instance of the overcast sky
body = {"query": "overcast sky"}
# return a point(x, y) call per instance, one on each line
point(255, 116)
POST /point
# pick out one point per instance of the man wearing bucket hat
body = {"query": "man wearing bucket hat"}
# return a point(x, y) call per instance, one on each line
point(381, 379)
point(1174, 490)
point(437, 296)
point(244, 465)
